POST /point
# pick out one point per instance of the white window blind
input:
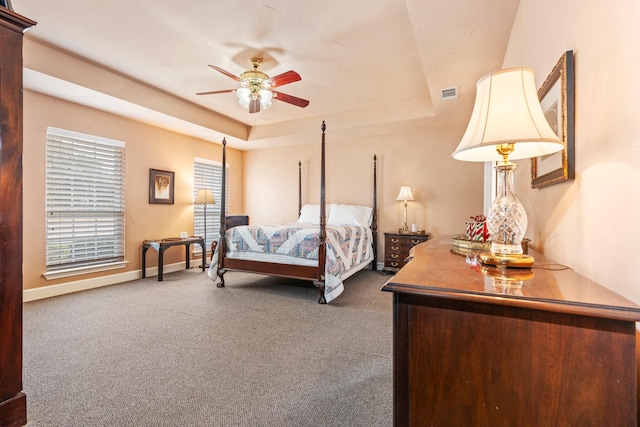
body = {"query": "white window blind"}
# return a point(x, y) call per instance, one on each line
point(208, 174)
point(85, 200)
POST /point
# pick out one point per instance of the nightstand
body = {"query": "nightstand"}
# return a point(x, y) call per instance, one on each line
point(397, 247)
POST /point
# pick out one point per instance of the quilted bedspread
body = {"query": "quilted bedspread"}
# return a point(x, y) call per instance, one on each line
point(348, 247)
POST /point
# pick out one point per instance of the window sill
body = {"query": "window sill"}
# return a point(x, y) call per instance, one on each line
point(59, 274)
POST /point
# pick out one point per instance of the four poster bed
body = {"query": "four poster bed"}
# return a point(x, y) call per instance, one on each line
point(327, 244)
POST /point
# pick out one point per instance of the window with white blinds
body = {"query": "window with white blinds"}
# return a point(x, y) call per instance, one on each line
point(208, 174)
point(85, 200)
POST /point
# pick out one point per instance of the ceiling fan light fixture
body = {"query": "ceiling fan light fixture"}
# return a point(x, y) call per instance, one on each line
point(244, 96)
point(255, 88)
point(265, 98)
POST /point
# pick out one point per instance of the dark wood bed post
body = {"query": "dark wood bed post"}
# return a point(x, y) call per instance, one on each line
point(374, 223)
point(223, 219)
point(323, 222)
point(299, 188)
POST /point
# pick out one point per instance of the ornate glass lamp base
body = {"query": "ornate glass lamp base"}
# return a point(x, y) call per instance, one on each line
point(508, 261)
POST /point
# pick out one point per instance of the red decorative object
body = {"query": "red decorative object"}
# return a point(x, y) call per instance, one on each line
point(477, 230)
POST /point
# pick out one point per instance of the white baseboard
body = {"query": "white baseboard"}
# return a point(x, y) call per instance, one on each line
point(98, 282)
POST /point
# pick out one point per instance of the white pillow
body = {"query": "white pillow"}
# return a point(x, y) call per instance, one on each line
point(350, 215)
point(310, 214)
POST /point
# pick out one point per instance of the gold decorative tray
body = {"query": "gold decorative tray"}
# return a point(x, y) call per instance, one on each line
point(461, 241)
point(464, 246)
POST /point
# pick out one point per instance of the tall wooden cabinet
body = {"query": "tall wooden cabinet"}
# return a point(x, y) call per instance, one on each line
point(477, 347)
point(13, 402)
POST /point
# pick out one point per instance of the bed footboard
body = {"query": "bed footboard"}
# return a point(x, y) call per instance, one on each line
point(236, 220)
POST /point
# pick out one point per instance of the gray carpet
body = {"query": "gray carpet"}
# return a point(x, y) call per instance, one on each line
point(260, 352)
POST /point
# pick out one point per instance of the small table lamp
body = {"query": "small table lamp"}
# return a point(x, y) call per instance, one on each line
point(507, 123)
point(204, 197)
point(404, 195)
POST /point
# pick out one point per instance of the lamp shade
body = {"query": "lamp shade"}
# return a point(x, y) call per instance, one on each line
point(204, 197)
point(265, 98)
point(507, 111)
point(244, 96)
point(405, 193)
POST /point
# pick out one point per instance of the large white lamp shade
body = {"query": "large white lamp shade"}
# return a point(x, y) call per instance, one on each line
point(507, 111)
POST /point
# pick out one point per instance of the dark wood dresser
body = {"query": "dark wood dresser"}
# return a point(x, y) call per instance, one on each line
point(471, 347)
point(397, 247)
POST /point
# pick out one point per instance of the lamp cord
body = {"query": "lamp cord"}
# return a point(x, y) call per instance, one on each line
point(551, 266)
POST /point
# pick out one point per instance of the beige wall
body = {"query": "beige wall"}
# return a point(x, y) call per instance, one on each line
point(593, 223)
point(146, 147)
point(418, 155)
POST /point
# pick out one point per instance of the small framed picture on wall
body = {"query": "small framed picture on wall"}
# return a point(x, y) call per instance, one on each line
point(161, 186)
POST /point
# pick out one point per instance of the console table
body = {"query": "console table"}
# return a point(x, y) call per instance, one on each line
point(472, 349)
point(164, 244)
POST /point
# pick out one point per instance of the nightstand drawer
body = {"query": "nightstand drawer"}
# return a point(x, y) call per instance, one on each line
point(393, 265)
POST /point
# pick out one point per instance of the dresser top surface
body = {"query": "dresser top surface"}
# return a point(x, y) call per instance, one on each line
point(436, 272)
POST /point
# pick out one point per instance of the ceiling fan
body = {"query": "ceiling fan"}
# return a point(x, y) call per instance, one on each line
point(255, 89)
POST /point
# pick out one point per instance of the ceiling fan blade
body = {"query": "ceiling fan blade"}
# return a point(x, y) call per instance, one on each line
point(284, 78)
point(290, 99)
point(226, 73)
point(216, 91)
point(254, 106)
